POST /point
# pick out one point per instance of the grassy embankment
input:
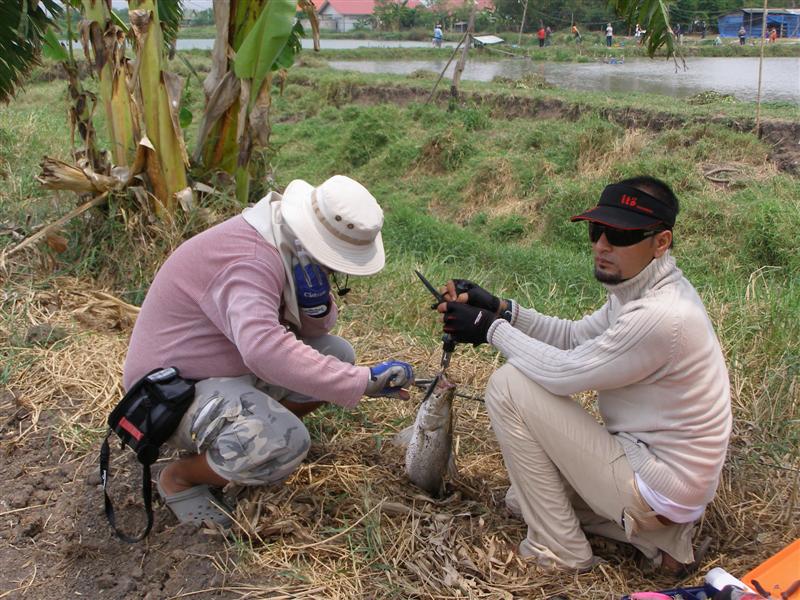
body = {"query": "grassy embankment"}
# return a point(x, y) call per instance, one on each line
point(562, 52)
point(562, 48)
point(473, 194)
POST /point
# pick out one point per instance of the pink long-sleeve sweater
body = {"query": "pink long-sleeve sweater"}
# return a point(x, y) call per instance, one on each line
point(214, 310)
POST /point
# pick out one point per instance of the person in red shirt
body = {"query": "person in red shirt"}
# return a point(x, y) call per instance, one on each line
point(541, 34)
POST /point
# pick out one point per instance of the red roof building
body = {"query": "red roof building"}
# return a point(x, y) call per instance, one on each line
point(342, 15)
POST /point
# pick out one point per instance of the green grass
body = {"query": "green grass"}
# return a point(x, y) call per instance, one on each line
point(725, 236)
point(339, 82)
point(478, 194)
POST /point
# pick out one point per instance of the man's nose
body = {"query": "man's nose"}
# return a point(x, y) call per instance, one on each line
point(602, 242)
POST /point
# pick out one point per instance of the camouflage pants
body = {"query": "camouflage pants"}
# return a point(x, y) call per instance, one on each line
point(249, 438)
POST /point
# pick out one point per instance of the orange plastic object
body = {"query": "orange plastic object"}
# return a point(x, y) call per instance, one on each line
point(778, 572)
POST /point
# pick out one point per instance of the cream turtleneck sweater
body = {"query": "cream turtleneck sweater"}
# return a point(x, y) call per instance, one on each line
point(652, 355)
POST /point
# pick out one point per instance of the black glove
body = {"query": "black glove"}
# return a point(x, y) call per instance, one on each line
point(467, 324)
point(477, 296)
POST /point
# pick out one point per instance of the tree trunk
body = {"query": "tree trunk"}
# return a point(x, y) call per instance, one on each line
point(159, 94)
point(107, 57)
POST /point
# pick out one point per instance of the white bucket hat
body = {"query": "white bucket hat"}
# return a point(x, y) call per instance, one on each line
point(339, 224)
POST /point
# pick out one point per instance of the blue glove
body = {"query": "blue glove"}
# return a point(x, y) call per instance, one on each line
point(313, 289)
point(388, 377)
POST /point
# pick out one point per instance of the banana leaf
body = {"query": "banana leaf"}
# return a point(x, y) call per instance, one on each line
point(653, 16)
point(264, 43)
point(170, 13)
point(52, 48)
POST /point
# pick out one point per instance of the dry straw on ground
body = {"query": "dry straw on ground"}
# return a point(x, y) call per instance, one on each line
point(348, 524)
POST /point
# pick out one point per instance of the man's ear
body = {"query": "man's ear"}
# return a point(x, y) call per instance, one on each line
point(663, 241)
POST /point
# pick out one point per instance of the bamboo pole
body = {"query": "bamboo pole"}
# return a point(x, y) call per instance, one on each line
point(761, 66)
point(522, 24)
point(462, 60)
point(452, 56)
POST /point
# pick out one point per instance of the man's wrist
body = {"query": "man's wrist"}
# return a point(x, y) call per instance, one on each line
point(506, 310)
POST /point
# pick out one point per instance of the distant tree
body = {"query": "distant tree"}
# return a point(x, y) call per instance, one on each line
point(202, 17)
point(554, 13)
point(393, 16)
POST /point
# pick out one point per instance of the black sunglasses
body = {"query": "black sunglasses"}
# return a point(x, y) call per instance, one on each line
point(619, 237)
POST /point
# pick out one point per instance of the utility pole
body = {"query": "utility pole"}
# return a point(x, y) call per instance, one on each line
point(462, 60)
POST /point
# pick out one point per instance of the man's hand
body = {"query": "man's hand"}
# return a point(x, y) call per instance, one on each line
point(463, 290)
point(388, 378)
point(313, 289)
point(467, 324)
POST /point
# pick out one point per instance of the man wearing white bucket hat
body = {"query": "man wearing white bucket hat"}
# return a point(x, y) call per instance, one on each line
point(245, 309)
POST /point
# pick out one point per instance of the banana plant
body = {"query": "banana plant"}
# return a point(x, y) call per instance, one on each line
point(158, 93)
point(253, 41)
point(103, 40)
point(141, 106)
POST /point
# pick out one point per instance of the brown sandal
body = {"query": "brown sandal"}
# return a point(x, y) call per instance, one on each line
point(683, 570)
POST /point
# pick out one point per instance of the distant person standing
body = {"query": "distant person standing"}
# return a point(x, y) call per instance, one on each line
point(609, 35)
point(773, 35)
point(679, 33)
point(437, 36)
point(742, 35)
point(548, 33)
point(541, 34)
point(637, 35)
point(576, 34)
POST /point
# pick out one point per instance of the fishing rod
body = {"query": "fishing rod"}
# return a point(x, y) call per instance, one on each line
point(425, 383)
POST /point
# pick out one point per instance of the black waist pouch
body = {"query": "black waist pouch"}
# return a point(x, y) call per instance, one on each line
point(144, 419)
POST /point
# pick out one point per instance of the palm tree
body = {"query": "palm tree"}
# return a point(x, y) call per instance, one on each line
point(23, 26)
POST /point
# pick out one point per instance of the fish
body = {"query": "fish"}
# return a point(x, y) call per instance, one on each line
point(429, 441)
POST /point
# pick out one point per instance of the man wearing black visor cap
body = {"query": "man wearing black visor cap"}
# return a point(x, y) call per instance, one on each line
point(646, 475)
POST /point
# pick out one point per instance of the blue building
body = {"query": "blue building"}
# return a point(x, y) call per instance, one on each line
point(786, 22)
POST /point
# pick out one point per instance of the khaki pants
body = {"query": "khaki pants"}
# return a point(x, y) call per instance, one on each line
point(569, 475)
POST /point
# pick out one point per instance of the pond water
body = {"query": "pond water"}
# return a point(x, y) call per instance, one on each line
point(737, 76)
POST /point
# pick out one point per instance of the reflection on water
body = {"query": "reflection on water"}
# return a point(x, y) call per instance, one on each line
point(737, 76)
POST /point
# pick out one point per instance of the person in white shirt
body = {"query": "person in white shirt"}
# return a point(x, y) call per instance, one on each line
point(609, 35)
point(648, 472)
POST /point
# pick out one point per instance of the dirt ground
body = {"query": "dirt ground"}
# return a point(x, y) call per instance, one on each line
point(54, 538)
point(348, 524)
